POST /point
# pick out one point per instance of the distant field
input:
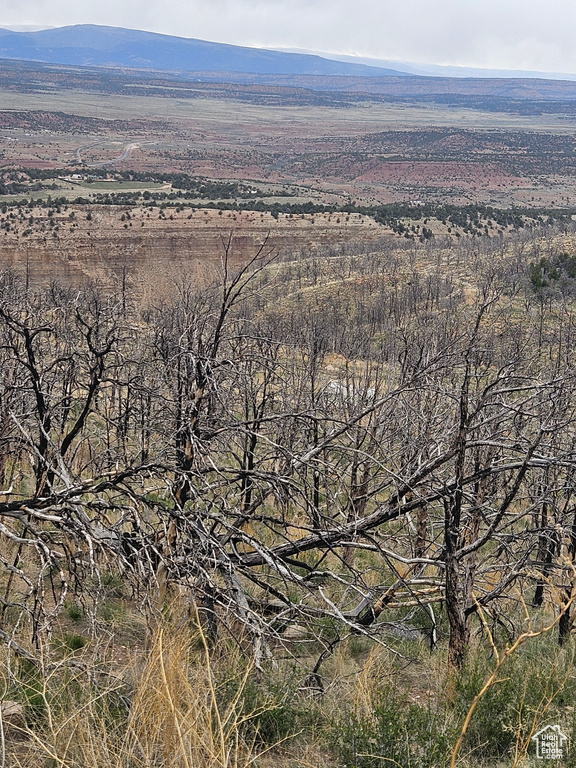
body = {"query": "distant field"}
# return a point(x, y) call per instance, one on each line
point(227, 111)
point(369, 152)
point(112, 186)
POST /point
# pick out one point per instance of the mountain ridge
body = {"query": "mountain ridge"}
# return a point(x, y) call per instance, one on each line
point(94, 45)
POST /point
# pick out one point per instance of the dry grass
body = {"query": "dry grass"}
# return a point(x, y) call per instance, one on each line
point(179, 704)
point(176, 714)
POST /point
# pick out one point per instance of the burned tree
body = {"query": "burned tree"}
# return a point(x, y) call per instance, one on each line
point(385, 453)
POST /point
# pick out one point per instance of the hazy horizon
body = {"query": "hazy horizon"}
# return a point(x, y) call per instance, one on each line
point(428, 68)
point(509, 35)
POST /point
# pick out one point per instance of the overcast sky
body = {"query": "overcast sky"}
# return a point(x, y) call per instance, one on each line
point(504, 34)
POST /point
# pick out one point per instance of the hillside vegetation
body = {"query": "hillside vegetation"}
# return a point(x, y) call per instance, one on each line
point(312, 511)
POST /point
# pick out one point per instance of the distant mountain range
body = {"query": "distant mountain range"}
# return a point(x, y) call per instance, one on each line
point(91, 45)
point(439, 70)
point(120, 60)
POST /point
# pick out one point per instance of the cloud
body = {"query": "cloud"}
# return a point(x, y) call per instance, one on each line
point(513, 34)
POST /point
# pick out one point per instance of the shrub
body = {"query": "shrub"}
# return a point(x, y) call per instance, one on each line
point(534, 688)
point(396, 732)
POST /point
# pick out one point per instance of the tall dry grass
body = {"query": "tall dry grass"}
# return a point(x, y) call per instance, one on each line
point(175, 713)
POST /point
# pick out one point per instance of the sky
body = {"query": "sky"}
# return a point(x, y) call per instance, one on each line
point(536, 35)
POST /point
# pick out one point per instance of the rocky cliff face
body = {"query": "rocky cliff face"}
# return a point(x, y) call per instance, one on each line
point(157, 248)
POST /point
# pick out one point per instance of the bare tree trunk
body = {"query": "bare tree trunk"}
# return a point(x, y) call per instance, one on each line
point(545, 553)
point(566, 618)
point(459, 622)
point(421, 530)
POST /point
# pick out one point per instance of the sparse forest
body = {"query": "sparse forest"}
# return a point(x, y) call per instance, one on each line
point(318, 511)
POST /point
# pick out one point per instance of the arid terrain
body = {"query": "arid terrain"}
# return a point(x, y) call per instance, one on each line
point(287, 424)
point(156, 247)
point(369, 149)
point(136, 177)
point(372, 153)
